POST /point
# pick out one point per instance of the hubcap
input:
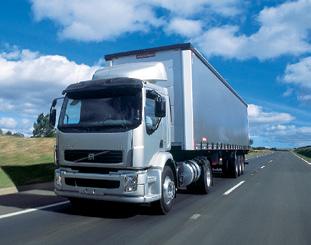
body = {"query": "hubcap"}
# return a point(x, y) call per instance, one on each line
point(168, 190)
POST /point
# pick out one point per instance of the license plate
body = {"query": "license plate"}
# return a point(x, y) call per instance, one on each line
point(87, 191)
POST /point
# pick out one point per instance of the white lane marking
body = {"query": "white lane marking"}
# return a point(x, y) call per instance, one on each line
point(233, 188)
point(195, 216)
point(262, 166)
point(30, 210)
point(302, 158)
point(270, 161)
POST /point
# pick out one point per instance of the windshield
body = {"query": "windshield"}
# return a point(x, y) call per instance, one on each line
point(103, 112)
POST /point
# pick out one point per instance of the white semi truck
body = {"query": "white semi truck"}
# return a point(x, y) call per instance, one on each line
point(152, 122)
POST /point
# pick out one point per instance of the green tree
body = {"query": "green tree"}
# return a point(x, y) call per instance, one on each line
point(42, 127)
point(1, 132)
point(8, 133)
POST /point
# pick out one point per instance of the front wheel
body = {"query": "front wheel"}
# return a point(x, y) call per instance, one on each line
point(164, 205)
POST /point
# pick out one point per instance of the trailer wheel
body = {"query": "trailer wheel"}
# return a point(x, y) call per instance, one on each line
point(242, 164)
point(225, 168)
point(239, 159)
point(164, 205)
point(234, 167)
point(204, 183)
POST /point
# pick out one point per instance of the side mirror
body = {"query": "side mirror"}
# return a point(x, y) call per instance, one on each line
point(52, 118)
point(160, 107)
point(54, 102)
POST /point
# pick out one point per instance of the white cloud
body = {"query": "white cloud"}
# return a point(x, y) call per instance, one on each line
point(289, 130)
point(257, 115)
point(288, 92)
point(5, 105)
point(299, 73)
point(276, 128)
point(283, 29)
point(184, 27)
point(8, 122)
point(188, 8)
point(305, 98)
point(299, 76)
point(29, 68)
point(29, 81)
point(289, 134)
point(97, 20)
point(222, 41)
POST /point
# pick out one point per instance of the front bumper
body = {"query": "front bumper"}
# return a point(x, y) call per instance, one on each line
point(145, 189)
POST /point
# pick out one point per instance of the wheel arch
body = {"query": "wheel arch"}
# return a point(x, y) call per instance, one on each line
point(161, 159)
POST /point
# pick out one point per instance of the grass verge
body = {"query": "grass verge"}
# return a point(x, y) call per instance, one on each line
point(304, 152)
point(25, 160)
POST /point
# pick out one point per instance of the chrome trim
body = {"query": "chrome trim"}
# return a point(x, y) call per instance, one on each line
point(148, 186)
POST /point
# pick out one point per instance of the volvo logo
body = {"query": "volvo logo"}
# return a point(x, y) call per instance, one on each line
point(91, 157)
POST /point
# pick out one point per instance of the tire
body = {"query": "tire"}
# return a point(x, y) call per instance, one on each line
point(239, 159)
point(225, 168)
point(234, 167)
point(242, 164)
point(165, 204)
point(204, 183)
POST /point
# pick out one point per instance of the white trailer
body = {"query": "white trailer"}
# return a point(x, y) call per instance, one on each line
point(204, 105)
point(153, 121)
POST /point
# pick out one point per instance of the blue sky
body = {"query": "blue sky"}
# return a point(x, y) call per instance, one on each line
point(263, 49)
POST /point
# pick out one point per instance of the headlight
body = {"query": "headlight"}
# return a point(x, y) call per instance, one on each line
point(130, 183)
point(58, 179)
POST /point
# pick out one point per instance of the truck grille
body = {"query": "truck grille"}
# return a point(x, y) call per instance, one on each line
point(94, 156)
point(108, 184)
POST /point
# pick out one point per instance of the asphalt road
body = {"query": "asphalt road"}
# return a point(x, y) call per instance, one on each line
point(271, 206)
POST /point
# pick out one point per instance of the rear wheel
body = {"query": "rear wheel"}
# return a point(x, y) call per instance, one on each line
point(242, 164)
point(165, 204)
point(225, 168)
point(234, 167)
point(239, 159)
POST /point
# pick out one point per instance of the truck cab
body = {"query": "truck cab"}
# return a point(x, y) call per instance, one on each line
point(103, 128)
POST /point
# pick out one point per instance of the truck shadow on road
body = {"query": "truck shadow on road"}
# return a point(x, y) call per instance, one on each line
point(21, 174)
point(109, 210)
point(43, 195)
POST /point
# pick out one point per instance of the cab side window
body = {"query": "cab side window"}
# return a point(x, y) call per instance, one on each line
point(152, 122)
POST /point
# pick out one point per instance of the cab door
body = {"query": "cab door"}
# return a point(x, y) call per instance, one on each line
point(154, 131)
